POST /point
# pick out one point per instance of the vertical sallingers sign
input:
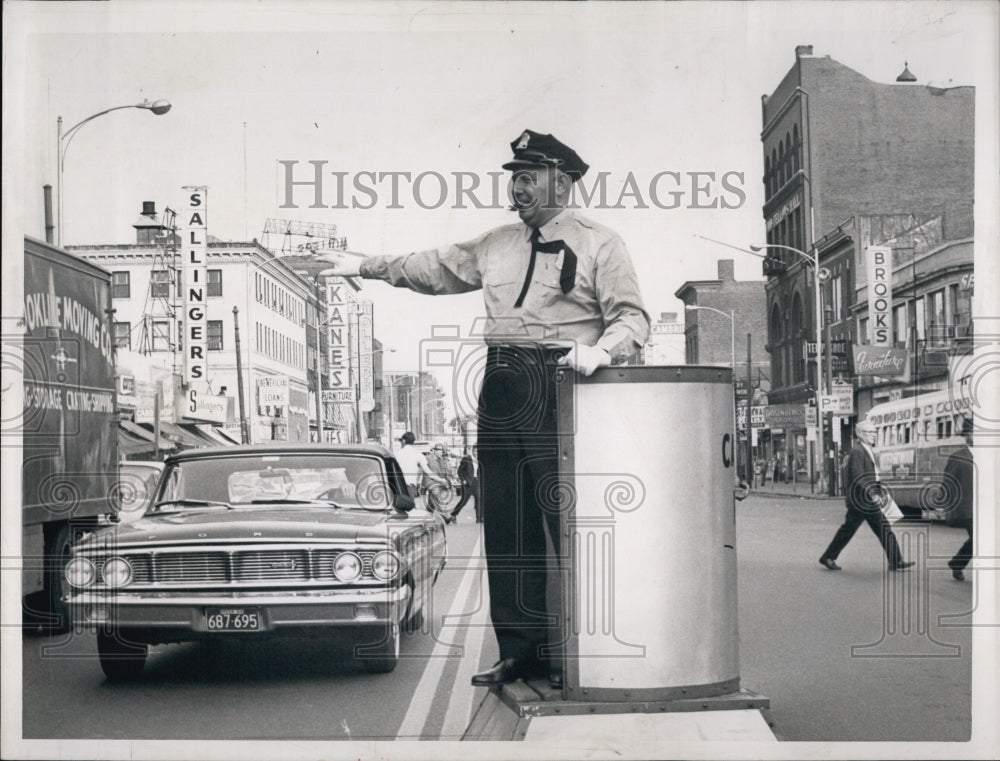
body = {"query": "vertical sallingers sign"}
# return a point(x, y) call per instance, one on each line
point(878, 265)
point(194, 243)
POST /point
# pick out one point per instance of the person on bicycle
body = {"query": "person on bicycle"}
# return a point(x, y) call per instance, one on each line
point(438, 486)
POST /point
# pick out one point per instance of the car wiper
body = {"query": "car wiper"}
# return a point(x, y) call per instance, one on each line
point(194, 503)
point(290, 501)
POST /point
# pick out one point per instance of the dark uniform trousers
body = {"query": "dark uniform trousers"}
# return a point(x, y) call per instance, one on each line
point(518, 453)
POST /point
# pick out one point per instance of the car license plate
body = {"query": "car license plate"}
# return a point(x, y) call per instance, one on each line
point(232, 619)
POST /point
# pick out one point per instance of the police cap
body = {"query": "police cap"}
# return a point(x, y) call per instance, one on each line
point(532, 150)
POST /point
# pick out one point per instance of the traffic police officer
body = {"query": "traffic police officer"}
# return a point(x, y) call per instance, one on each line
point(560, 292)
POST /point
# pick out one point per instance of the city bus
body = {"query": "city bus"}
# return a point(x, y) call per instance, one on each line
point(916, 436)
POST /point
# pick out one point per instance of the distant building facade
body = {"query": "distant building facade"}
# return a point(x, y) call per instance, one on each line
point(665, 345)
point(720, 317)
point(849, 163)
point(279, 315)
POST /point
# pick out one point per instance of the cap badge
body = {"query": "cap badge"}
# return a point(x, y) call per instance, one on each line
point(524, 141)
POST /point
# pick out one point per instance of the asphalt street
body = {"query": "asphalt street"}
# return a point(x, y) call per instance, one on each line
point(859, 654)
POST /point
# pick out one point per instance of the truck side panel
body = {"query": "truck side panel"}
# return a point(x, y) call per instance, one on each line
point(70, 431)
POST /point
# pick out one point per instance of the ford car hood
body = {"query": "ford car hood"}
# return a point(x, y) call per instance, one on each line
point(260, 523)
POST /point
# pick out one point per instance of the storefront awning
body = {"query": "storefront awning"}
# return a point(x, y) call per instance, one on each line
point(138, 433)
point(219, 435)
point(129, 445)
point(181, 436)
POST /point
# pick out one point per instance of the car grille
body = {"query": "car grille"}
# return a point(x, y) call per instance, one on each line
point(243, 568)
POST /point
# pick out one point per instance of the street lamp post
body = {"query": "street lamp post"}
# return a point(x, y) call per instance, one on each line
point(63, 139)
point(731, 316)
point(814, 260)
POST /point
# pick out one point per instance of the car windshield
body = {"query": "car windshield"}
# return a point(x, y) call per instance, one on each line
point(134, 490)
point(340, 480)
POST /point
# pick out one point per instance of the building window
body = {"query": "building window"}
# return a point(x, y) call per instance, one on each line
point(837, 298)
point(798, 347)
point(123, 335)
point(159, 284)
point(215, 282)
point(796, 148)
point(161, 335)
point(936, 320)
point(214, 335)
point(121, 285)
point(776, 338)
point(899, 332)
point(918, 318)
point(863, 331)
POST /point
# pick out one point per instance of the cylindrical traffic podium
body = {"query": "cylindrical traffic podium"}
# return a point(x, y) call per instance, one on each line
point(647, 463)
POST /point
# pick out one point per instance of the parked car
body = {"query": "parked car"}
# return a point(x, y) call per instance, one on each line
point(262, 541)
point(136, 483)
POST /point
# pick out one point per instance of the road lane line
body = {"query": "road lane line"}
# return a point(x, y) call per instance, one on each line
point(463, 694)
point(423, 697)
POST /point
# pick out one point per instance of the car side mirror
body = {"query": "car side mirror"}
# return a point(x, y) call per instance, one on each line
point(403, 502)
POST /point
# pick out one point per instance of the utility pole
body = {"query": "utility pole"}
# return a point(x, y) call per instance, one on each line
point(244, 431)
point(749, 450)
point(831, 460)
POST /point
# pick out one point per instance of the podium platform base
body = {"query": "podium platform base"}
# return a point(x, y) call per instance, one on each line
point(531, 710)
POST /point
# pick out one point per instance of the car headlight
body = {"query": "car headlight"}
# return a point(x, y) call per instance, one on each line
point(117, 572)
point(80, 572)
point(385, 565)
point(347, 566)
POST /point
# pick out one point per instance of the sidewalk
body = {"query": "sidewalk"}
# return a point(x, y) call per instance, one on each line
point(799, 489)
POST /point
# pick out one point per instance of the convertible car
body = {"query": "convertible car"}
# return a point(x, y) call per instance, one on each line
point(262, 541)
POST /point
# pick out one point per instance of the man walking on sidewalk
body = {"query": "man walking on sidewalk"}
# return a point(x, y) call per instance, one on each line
point(864, 496)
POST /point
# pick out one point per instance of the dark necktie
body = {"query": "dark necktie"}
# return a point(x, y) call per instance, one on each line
point(567, 276)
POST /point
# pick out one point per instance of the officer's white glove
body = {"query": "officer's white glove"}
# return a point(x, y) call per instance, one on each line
point(586, 359)
point(341, 265)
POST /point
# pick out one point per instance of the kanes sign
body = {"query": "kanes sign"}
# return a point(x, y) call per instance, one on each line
point(194, 240)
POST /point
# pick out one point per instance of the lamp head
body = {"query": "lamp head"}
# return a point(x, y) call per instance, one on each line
point(756, 248)
point(158, 107)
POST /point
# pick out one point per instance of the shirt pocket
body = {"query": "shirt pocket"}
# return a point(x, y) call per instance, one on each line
point(548, 270)
point(502, 282)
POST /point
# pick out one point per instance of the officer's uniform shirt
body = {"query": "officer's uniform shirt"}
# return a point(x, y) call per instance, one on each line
point(604, 308)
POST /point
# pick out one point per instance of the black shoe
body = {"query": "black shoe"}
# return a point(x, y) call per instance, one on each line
point(902, 565)
point(450, 519)
point(830, 563)
point(503, 671)
point(957, 575)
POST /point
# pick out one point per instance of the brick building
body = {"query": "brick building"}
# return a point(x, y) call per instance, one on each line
point(720, 316)
point(849, 162)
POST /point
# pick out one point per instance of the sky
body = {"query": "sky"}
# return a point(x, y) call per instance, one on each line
point(638, 89)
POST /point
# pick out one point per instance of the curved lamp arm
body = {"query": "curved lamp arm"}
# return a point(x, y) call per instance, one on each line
point(158, 107)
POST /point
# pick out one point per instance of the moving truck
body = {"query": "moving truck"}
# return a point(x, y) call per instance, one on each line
point(68, 432)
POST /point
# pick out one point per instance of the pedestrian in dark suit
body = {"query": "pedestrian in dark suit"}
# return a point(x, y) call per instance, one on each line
point(468, 474)
point(958, 480)
point(865, 496)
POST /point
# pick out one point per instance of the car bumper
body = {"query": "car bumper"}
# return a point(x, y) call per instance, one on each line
point(186, 616)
